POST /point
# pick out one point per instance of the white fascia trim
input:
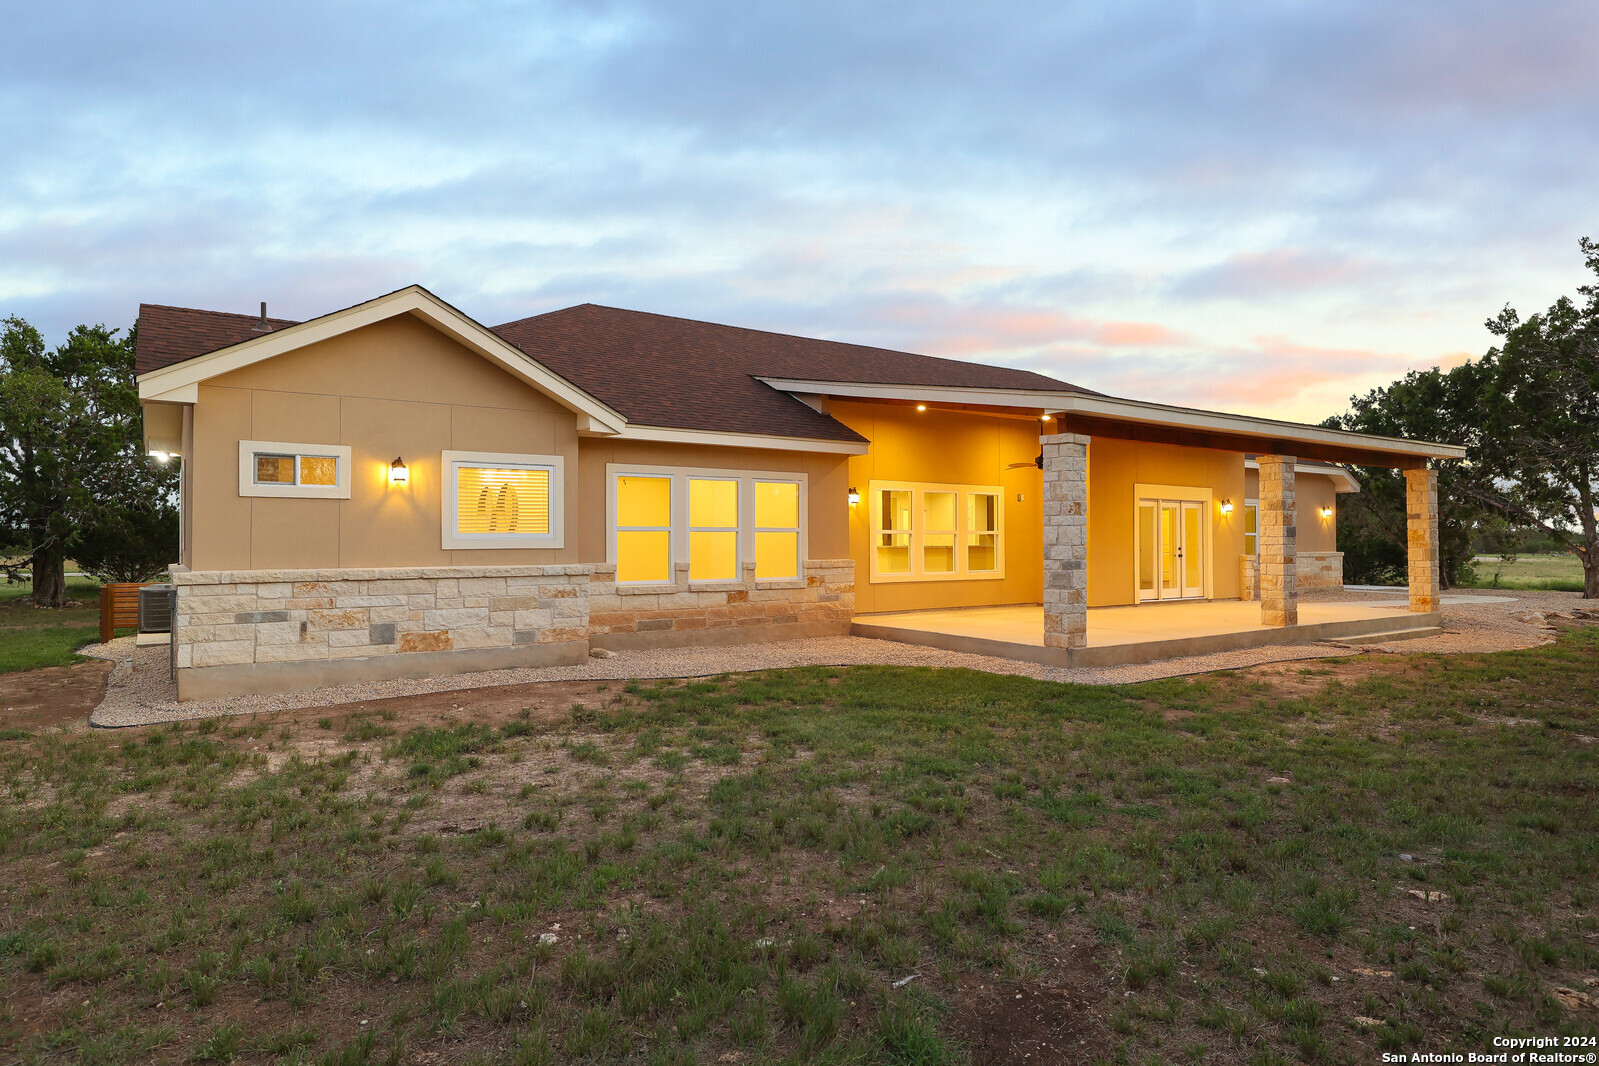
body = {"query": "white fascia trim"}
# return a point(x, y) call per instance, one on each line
point(1124, 410)
point(1343, 480)
point(179, 383)
point(741, 440)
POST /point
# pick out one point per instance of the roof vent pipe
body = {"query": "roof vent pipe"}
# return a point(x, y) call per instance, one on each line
point(261, 326)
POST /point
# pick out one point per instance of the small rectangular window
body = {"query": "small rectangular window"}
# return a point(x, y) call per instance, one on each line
point(982, 532)
point(308, 471)
point(643, 529)
point(713, 529)
point(776, 530)
point(894, 531)
point(1251, 528)
point(496, 500)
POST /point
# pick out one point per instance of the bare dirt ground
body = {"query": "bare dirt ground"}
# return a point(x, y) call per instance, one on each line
point(54, 696)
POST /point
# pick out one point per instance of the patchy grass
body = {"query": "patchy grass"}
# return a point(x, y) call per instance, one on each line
point(748, 869)
point(1541, 573)
point(33, 637)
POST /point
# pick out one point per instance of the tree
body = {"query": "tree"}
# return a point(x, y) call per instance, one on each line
point(1540, 422)
point(73, 475)
point(1425, 405)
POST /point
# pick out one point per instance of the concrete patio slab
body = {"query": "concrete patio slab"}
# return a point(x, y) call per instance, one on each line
point(1146, 633)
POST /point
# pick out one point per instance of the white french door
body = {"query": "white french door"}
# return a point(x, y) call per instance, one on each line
point(1171, 549)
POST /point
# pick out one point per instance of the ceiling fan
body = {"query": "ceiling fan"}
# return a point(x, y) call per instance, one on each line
point(1038, 462)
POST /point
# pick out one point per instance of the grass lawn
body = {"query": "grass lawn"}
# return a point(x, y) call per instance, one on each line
point(1317, 862)
point(1554, 573)
point(31, 637)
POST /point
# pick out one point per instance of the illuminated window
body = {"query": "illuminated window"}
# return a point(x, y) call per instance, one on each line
point(1251, 527)
point(643, 528)
point(924, 532)
point(776, 530)
point(718, 520)
point(496, 500)
point(712, 529)
point(308, 471)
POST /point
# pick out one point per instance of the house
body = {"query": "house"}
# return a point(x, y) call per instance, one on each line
point(396, 490)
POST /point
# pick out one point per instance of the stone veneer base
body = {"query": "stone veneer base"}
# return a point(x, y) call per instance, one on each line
point(701, 638)
point(252, 679)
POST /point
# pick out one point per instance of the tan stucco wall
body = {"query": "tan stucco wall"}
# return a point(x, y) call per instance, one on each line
point(1312, 492)
point(949, 447)
point(397, 388)
point(1114, 468)
point(826, 478)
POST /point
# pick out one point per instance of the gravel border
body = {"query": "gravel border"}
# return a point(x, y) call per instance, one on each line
point(138, 691)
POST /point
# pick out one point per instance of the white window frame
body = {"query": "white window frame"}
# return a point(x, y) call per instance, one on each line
point(1253, 505)
point(918, 490)
point(740, 487)
point(679, 539)
point(555, 465)
point(249, 486)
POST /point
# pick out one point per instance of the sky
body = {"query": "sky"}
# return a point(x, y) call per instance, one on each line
point(1262, 207)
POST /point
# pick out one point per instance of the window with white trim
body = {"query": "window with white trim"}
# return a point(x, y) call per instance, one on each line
point(303, 471)
point(717, 521)
point(932, 532)
point(502, 500)
point(1251, 527)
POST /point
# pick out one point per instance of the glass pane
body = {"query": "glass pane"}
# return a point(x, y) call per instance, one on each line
point(1168, 548)
point(776, 505)
point(643, 501)
point(1146, 547)
point(1192, 552)
point(895, 509)
point(643, 556)
point(1251, 519)
point(982, 552)
point(776, 555)
point(713, 556)
point(1251, 544)
point(982, 512)
point(940, 510)
point(489, 500)
point(274, 469)
point(319, 470)
point(938, 553)
point(710, 503)
point(893, 553)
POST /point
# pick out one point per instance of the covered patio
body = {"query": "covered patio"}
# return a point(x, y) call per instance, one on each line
point(1117, 636)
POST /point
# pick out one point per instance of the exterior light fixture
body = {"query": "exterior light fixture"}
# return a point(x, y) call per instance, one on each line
point(1226, 507)
point(1326, 512)
point(921, 407)
point(160, 457)
point(398, 474)
point(854, 495)
point(1046, 418)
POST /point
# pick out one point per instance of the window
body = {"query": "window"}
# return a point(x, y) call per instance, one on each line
point(1251, 527)
point(777, 530)
point(712, 529)
point(718, 521)
point(925, 532)
point(497, 500)
point(306, 471)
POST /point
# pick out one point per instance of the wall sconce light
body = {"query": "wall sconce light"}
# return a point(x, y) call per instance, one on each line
point(160, 457)
point(854, 495)
point(921, 407)
point(1326, 512)
point(1226, 507)
point(398, 474)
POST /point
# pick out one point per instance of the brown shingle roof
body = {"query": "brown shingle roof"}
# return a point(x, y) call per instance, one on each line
point(170, 335)
point(655, 370)
point(679, 373)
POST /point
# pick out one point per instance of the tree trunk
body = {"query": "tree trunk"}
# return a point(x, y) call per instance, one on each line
point(50, 577)
point(1590, 572)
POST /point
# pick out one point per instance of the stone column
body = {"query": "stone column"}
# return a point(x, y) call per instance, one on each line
point(1065, 540)
point(1421, 526)
point(1279, 556)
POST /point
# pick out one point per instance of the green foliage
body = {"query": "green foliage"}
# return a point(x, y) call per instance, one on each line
point(74, 479)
